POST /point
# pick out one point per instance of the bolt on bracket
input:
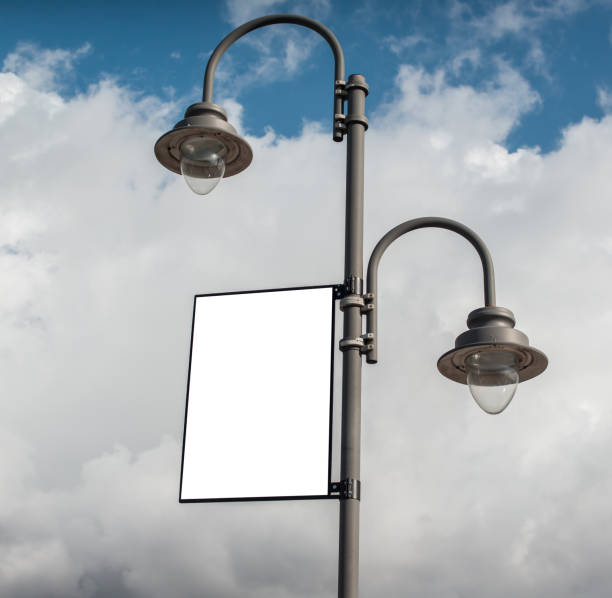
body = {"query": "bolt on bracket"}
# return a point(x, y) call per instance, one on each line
point(359, 342)
point(351, 301)
point(348, 488)
point(351, 343)
point(368, 303)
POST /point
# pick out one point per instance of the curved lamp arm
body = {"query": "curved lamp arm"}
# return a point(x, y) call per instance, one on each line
point(329, 37)
point(395, 233)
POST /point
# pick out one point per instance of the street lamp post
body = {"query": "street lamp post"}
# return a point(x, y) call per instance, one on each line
point(492, 357)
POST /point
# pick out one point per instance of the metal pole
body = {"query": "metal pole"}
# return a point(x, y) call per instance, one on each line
point(356, 122)
point(324, 32)
point(396, 233)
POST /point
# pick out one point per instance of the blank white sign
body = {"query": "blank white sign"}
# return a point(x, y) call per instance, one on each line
point(259, 396)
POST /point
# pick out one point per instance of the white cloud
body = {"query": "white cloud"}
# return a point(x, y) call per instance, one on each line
point(103, 251)
point(241, 11)
point(504, 19)
point(280, 52)
point(398, 45)
point(41, 68)
point(465, 113)
point(537, 60)
point(604, 99)
point(520, 18)
point(472, 57)
point(522, 21)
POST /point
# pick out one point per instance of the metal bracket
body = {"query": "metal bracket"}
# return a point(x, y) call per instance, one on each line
point(355, 84)
point(340, 94)
point(368, 336)
point(351, 301)
point(357, 118)
point(354, 285)
point(368, 303)
point(351, 286)
point(348, 488)
point(350, 296)
point(339, 291)
point(340, 88)
point(351, 343)
point(340, 128)
point(359, 343)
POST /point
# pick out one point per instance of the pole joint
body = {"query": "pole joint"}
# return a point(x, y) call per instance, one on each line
point(357, 82)
point(348, 488)
point(357, 118)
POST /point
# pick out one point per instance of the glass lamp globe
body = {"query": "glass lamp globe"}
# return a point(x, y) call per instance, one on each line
point(492, 377)
point(202, 163)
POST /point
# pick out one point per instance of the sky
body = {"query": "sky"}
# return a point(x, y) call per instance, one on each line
point(496, 114)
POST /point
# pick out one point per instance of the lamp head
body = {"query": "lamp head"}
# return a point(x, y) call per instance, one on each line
point(203, 147)
point(492, 357)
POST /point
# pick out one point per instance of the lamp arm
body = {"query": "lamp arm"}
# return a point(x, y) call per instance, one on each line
point(330, 38)
point(395, 233)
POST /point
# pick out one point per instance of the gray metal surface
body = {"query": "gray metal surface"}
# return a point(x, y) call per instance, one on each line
point(207, 120)
point(402, 229)
point(348, 561)
point(492, 329)
point(330, 38)
point(532, 362)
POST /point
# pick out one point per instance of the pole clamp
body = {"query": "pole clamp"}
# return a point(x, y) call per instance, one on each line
point(339, 127)
point(351, 343)
point(357, 82)
point(353, 285)
point(359, 119)
point(351, 301)
point(348, 488)
point(340, 94)
point(368, 337)
point(368, 303)
point(360, 343)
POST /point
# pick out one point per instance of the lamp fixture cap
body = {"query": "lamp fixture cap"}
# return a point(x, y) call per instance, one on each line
point(492, 329)
point(204, 119)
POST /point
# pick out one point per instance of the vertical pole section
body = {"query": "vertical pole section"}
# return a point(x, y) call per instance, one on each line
point(348, 562)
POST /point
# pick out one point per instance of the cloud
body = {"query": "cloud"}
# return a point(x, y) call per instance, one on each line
point(471, 57)
point(398, 45)
point(103, 252)
point(520, 18)
point(42, 68)
point(428, 98)
point(507, 18)
point(241, 11)
point(280, 52)
point(519, 21)
point(604, 99)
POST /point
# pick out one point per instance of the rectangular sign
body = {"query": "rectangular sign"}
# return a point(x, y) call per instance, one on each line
point(258, 415)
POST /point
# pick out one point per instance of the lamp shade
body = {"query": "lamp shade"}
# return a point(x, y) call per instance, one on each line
point(208, 121)
point(491, 330)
